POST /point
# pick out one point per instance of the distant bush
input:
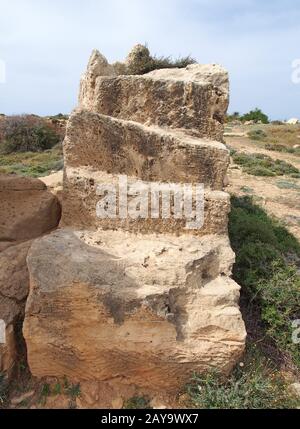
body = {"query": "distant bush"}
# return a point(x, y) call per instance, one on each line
point(27, 133)
point(277, 123)
point(235, 116)
point(262, 165)
point(255, 115)
point(59, 116)
point(257, 135)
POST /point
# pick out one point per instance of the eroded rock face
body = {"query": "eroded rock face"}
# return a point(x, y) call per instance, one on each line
point(27, 211)
point(14, 288)
point(145, 309)
point(146, 301)
point(194, 99)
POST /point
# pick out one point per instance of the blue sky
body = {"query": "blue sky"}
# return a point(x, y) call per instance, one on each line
point(46, 45)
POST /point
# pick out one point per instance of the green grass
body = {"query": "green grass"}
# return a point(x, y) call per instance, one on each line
point(266, 268)
point(267, 256)
point(263, 165)
point(33, 164)
point(284, 184)
point(255, 385)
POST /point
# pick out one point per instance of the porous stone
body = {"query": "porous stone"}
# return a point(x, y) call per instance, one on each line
point(27, 209)
point(14, 288)
point(142, 300)
point(150, 310)
point(148, 153)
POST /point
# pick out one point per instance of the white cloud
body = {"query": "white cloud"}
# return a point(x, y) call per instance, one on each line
point(46, 45)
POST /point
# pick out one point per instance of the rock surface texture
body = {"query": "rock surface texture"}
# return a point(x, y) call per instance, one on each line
point(27, 211)
point(144, 301)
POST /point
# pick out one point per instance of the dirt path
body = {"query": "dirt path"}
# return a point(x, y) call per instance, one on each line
point(279, 196)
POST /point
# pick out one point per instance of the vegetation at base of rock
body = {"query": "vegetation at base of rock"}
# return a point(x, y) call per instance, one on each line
point(3, 390)
point(32, 164)
point(267, 258)
point(137, 403)
point(254, 385)
point(258, 164)
point(73, 390)
point(27, 133)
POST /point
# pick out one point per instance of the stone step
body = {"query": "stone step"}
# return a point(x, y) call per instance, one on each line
point(148, 310)
point(195, 98)
point(80, 200)
point(149, 153)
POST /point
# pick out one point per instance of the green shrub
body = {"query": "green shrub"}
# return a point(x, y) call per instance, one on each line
point(143, 62)
point(263, 165)
point(253, 386)
point(281, 148)
point(235, 116)
point(257, 135)
point(256, 115)
point(27, 133)
point(137, 403)
point(264, 249)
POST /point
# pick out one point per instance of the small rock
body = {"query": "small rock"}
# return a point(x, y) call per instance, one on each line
point(24, 397)
point(295, 389)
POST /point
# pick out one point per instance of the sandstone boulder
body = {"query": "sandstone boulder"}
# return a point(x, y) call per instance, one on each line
point(27, 210)
point(14, 288)
point(150, 310)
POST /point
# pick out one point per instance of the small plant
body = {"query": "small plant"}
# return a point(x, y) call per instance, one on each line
point(137, 402)
point(253, 385)
point(46, 390)
point(3, 390)
point(57, 389)
point(257, 135)
point(73, 390)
